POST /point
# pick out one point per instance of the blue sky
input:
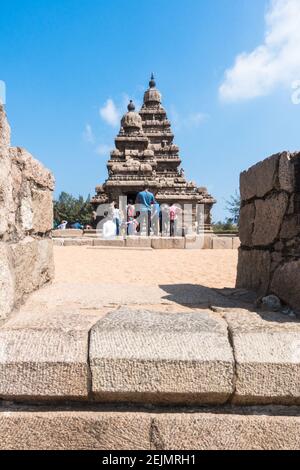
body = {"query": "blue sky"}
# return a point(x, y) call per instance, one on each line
point(62, 60)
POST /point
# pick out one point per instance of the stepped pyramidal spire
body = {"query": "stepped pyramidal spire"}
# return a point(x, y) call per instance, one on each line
point(145, 155)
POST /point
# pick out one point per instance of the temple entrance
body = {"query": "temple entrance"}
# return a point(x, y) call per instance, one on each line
point(131, 197)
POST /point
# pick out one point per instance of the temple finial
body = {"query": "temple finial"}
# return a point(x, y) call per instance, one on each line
point(131, 106)
point(152, 82)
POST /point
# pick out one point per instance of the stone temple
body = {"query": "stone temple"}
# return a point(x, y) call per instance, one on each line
point(145, 154)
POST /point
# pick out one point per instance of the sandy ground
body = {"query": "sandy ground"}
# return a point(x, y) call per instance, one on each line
point(85, 265)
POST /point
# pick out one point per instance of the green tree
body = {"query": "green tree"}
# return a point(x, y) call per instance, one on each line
point(72, 209)
point(233, 206)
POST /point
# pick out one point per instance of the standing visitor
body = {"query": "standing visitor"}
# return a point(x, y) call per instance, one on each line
point(63, 225)
point(116, 219)
point(174, 211)
point(145, 199)
point(130, 214)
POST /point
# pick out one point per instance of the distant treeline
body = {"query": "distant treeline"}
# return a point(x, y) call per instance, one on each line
point(72, 209)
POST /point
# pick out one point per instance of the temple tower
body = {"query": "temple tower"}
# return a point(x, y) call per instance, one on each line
point(145, 154)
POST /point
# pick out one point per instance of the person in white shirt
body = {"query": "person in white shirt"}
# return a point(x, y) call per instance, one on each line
point(63, 225)
point(116, 219)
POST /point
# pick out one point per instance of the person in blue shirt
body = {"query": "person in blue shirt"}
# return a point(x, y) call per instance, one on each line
point(145, 199)
point(77, 225)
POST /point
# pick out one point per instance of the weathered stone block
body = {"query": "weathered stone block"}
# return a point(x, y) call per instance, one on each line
point(32, 170)
point(286, 173)
point(290, 227)
point(222, 243)
point(67, 233)
point(187, 358)
point(250, 429)
point(245, 430)
point(138, 242)
point(117, 242)
point(268, 219)
point(25, 208)
point(286, 283)
point(167, 243)
point(267, 355)
point(246, 225)
point(236, 243)
point(43, 356)
point(4, 129)
point(5, 191)
point(77, 242)
point(199, 242)
point(254, 270)
point(74, 430)
point(7, 284)
point(260, 179)
point(42, 208)
point(32, 264)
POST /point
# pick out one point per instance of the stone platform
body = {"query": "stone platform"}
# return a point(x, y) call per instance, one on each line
point(113, 367)
point(70, 237)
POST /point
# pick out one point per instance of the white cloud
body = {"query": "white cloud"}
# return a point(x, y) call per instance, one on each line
point(110, 113)
point(274, 63)
point(88, 134)
point(103, 150)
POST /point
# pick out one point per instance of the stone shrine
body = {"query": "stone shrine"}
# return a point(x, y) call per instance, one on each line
point(145, 155)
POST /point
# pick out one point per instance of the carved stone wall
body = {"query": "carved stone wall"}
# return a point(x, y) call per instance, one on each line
point(26, 218)
point(269, 257)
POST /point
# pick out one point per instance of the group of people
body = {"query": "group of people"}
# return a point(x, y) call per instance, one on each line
point(76, 225)
point(144, 216)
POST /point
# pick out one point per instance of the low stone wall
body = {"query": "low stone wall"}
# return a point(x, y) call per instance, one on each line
point(269, 257)
point(26, 218)
point(209, 242)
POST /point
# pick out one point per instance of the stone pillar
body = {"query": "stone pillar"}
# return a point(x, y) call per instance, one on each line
point(26, 220)
point(269, 257)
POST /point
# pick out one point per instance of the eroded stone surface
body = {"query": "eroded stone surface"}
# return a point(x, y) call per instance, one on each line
point(71, 430)
point(210, 431)
point(254, 270)
point(286, 283)
point(268, 218)
point(222, 243)
point(260, 179)
point(32, 265)
point(7, 287)
point(4, 129)
point(239, 429)
point(270, 228)
point(26, 215)
point(44, 356)
point(150, 356)
point(267, 354)
point(165, 243)
point(247, 217)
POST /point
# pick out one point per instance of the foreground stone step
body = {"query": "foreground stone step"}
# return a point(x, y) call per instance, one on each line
point(143, 356)
point(267, 354)
point(225, 429)
point(44, 356)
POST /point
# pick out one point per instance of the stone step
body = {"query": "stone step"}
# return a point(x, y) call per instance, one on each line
point(156, 243)
point(273, 428)
point(144, 356)
point(78, 350)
